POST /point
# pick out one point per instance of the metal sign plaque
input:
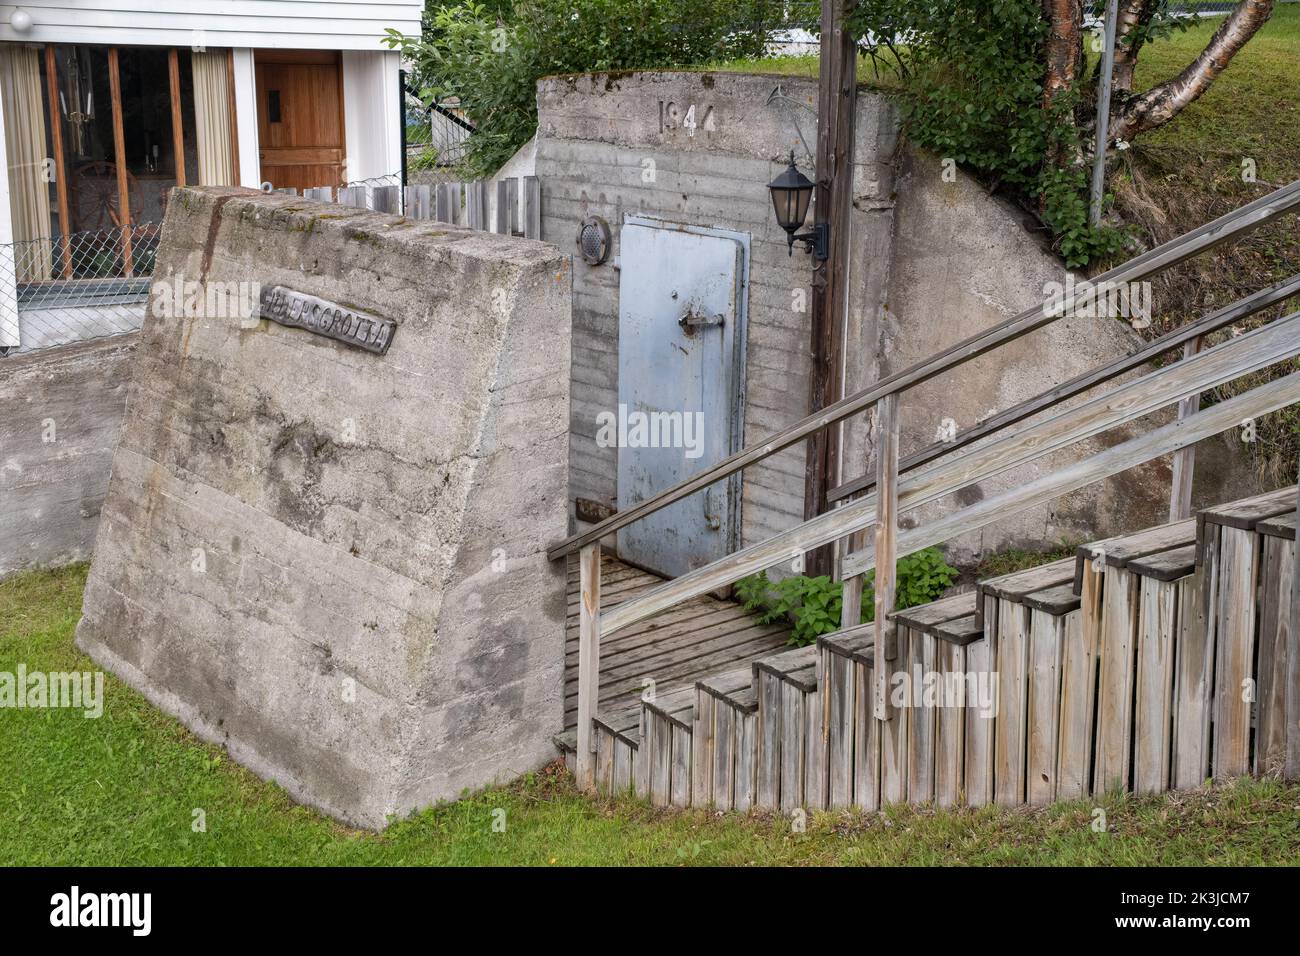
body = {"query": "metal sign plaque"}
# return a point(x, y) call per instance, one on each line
point(352, 327)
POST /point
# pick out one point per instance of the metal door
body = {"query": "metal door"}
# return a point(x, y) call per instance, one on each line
point(680, 375)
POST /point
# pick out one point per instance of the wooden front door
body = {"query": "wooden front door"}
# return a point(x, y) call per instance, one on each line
point(300, 118)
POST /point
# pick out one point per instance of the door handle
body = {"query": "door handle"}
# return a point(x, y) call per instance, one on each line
point(711, 516)
point(693, 319)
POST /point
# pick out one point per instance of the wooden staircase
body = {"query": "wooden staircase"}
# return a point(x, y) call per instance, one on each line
point(1148, 662)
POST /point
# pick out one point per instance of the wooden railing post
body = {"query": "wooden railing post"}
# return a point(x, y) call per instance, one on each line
point(588, 662)
point(886, 545)
point(1180, 492)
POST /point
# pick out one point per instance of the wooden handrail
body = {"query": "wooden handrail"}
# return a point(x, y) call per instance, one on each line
point(1136, 451)
point(1228, 360)
point(1178, 338)
point(1229, 226)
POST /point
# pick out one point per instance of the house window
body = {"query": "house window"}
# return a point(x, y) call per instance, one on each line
point(103, 134)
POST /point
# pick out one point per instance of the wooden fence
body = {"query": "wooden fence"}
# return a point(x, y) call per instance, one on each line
point(510, 207)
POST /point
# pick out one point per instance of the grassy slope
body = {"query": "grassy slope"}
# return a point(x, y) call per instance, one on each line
point(122, 790)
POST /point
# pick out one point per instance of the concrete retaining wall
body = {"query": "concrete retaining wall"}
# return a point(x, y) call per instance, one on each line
point(331, 561)
point(60, 417)
point(933, 262)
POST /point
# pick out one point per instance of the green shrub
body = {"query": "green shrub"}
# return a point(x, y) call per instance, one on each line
point(491, 61)
point(973, 75)
point(814, 606)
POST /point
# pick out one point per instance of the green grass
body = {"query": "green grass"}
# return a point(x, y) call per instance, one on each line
point(122, 790)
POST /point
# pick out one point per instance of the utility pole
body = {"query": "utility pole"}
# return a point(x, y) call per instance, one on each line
point(832, 205)
point(1103, 113)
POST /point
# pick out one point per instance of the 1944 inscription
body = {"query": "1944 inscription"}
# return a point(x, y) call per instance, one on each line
point(352, 327)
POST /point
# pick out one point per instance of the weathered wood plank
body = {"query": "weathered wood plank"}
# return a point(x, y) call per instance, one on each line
point(981, 661)
point(1082, 640)
point(1046, 645)
point(886, 540)
point(1121, 550)
point(922, 661)
point(1011, 726)
point(722, 769)
point(860, 514)
point(950, 727)
point(588, 662)
point(866, 739)
point(1250, 305)
point(840, 707)
point(1194, 674)
point(767, 792)
point(893, 732)
point(703, 748)
point(1274, 623)
point(624, 755)
point(814, 753)
point(746, 747)
point(1234, 645)
point(793, 739)
point(1153, 722)
point(1115, 687)
point(1184, 464)
point(680, 788)
point(1078, 474)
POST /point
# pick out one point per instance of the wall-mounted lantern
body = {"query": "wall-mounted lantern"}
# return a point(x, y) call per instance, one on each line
point(791, 193)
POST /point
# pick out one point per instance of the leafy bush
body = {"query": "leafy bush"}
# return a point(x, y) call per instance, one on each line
point(973, 92)
point(814, 606)
point(491, 61)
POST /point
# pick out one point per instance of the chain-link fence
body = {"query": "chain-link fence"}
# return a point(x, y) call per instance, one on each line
point(74, 288)
point(435, 139)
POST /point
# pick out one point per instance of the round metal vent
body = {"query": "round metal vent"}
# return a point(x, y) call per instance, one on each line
point(593, 240)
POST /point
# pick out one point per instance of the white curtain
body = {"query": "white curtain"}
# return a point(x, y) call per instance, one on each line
point(212, 119)
point(29, 169)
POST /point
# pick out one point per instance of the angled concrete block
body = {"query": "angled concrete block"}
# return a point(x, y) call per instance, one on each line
point(329, 560)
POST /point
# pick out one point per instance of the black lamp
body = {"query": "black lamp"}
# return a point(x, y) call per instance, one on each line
point(791, 193)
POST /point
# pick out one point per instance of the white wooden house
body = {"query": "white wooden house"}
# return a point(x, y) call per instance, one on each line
point(109, 103)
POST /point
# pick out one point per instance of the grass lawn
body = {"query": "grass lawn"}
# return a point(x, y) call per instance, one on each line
point(123, 790)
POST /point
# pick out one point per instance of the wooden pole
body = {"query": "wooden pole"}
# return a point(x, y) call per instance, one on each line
point(178, 127)
point(1103, 114)
point(886, 545)
point(588, 663)
point(836, 109)
point(60, 170)
point(119, 156)
point(1180, 492)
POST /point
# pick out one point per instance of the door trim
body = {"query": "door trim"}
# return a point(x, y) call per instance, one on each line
point(740, 346)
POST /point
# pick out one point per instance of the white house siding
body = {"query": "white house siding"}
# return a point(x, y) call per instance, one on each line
point(265, 24)
point(372, 113)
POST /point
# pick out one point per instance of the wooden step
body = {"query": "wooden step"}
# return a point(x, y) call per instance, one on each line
point(723, 740)
point(1119, 551)
point(665, 753)
point(1277, 581)
point(1231, 555)
point(788, 761)
point(852, 738)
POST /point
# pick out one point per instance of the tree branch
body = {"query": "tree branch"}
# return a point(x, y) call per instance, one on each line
point(1134, 16)
point(1162, 103)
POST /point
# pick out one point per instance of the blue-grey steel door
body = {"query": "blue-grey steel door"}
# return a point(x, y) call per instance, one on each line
point(680, 362)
